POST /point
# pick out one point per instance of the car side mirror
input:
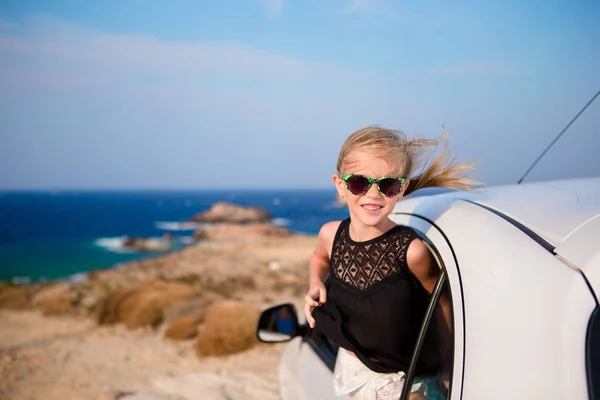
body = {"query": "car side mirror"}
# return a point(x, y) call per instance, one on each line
point(278, 324)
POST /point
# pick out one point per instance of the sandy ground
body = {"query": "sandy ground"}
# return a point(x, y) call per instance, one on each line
point(70, 357)
point(73, 359)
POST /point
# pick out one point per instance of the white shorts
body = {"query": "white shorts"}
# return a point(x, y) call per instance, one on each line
point(355, 380)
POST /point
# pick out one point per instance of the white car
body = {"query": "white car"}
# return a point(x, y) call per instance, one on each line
point(522, 266)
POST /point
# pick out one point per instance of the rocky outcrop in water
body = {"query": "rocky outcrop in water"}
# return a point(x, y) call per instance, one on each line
point(147, 244)
point(230, 221)
point(232, 213)
point(233, 231)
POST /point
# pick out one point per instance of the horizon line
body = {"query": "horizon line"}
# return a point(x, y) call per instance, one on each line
point(150, 189)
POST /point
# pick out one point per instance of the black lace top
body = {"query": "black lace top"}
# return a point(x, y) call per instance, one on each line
point(375, 306)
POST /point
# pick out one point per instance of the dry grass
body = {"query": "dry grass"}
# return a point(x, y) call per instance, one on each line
point(56, 299)
point(143, 305)
point(229, 327)
point(183, 328)
point(17, 297)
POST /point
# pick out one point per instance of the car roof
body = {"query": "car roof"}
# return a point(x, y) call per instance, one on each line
point(552, 209)
point(509, 289)
point(564, 213)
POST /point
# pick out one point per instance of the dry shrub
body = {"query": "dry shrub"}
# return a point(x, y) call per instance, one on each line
point(17, 297)
point(285, 282)
point(55, 299)
point(229, 327)
point(190, 279)
point(228, 286)
point(57, 306)
point(183, 328)
point(195, 307)
point(107, 308)
point(141, 309)
point(142, 305)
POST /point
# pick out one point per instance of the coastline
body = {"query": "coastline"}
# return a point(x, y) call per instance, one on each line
point(64, 339)
point(48, 236)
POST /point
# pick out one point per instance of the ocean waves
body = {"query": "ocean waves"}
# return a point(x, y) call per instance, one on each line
point(57, 235)
point(177, 226)
point(118, 244)
point(114, 244)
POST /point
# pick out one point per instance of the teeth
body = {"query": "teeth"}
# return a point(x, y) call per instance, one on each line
point(372, 208)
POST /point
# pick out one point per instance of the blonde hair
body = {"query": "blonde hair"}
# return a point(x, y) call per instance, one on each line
point(393, 146)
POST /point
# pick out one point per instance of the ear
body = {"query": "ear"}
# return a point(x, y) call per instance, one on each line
point(340, 186)
point(401, 194)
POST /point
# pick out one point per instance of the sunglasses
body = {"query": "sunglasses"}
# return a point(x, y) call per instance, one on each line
point(389, 186)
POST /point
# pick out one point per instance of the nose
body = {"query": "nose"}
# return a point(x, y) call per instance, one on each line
point(373, 192)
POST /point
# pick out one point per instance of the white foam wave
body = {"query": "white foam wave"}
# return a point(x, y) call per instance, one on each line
point(21, 280)
point(186, 239)
point(281, 221)
point(78, 277)
point(114, 244)
point(177, 226)
point(117, 244)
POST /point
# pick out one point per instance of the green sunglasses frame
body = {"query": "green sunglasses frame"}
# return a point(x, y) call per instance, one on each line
point(373, 181)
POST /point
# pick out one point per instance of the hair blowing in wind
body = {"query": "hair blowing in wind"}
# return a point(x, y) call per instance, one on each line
point(444, 171)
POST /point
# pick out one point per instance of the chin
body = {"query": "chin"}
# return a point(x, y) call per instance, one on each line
point(371, 219)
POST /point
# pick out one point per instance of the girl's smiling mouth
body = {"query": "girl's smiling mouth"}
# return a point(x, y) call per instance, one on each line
point(371, 207)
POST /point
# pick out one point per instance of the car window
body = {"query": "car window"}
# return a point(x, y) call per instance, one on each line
point(323, 347)
point(436, 349)
point(434, 345)
point(593, 355)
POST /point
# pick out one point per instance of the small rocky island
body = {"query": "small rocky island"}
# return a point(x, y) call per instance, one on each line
point(161, 327)
point(225, 212)
point(148, 244)
point(228, 221)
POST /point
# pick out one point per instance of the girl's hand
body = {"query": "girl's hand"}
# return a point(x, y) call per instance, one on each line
point(316, 296)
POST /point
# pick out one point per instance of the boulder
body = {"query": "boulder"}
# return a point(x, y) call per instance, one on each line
point(195, 307)
point(235, 231)
point(228, 212)
point(229, 327)
point(183, 328)
point(143, 305)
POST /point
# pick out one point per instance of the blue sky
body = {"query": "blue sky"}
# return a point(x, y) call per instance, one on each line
point(131, 94)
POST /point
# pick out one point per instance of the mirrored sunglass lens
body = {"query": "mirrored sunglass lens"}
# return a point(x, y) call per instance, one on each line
point(357, 184)
point(390, 186)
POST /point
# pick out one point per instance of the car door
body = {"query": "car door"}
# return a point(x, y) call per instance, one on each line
point(448, 282)
point(305, 371)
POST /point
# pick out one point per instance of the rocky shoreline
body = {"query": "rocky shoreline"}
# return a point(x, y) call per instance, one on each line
point(166, 318)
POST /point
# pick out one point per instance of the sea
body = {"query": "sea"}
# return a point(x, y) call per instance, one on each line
point(64, 234)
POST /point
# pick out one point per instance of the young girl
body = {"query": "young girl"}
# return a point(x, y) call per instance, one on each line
point(369, 278)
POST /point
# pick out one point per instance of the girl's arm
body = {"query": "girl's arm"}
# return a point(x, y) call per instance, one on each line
point(423, 265)
point(425, 269)
point(318, 269)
